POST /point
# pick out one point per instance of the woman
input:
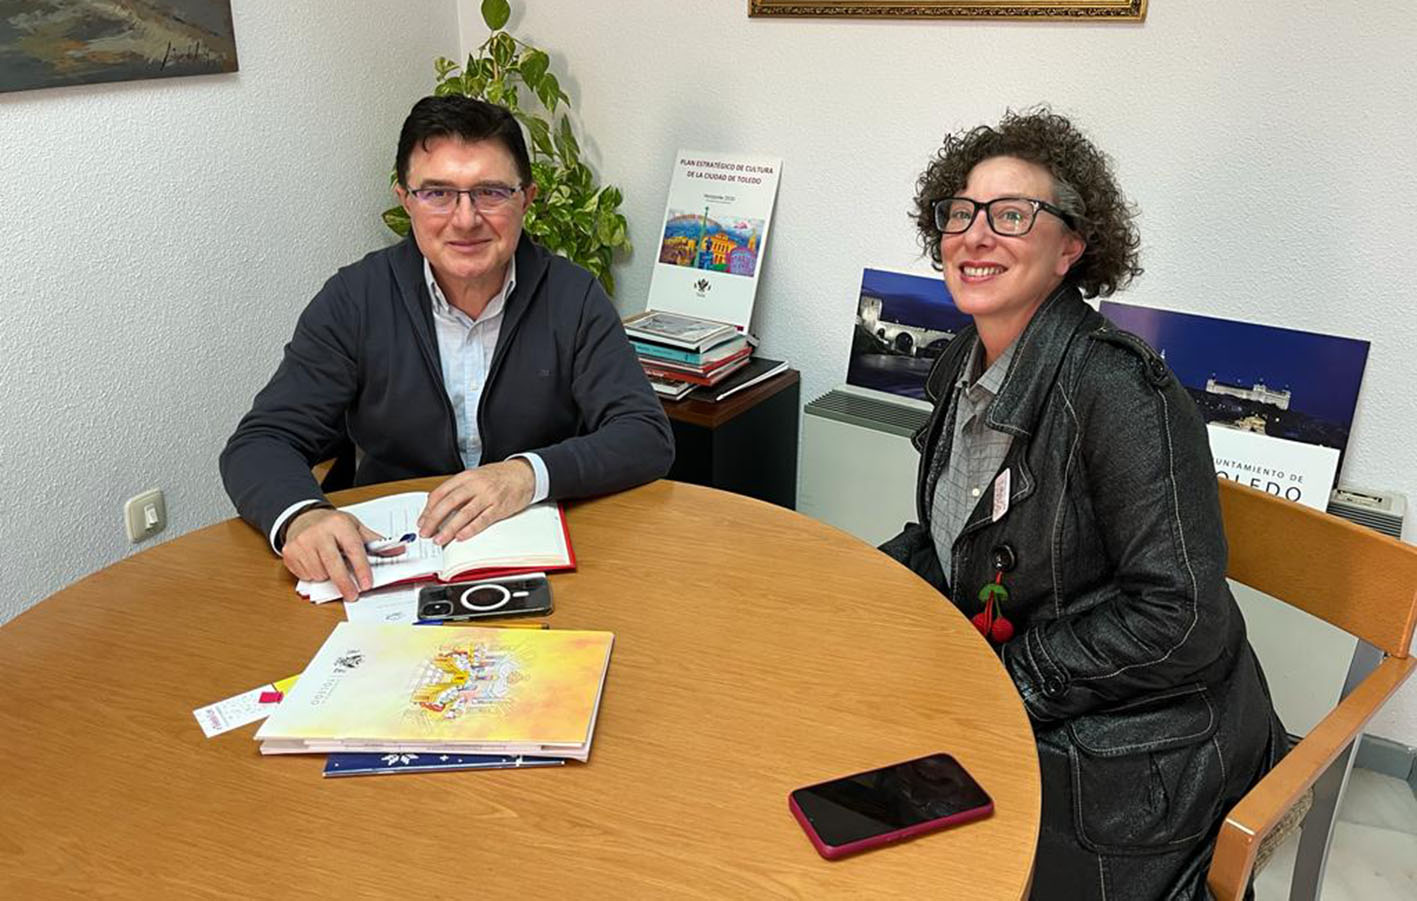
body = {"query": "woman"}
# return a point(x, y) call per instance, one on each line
point(1068, 505)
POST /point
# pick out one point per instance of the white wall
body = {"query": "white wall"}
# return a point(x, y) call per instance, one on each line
point(1236, 127)
point(158, 239)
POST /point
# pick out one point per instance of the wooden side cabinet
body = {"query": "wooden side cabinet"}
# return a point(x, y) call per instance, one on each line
point(746, 444)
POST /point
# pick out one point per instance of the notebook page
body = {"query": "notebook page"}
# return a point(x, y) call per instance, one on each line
point(392, 517)
point(533, 537)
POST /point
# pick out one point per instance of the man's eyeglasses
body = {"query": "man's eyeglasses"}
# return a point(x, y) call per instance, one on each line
point(1012, 217)
point(484, 198)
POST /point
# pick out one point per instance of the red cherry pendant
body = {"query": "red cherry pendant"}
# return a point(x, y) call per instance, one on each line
point(990, 621)
point(981, 622)
point(1001, 631)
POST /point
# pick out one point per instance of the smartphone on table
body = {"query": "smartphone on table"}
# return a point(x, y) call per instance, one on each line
point(900, 801)
point(484, 599)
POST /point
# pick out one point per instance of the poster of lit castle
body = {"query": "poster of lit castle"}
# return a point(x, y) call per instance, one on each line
point(713, 243)
point(903, 322)
point(697, 241)
point(1278, 403)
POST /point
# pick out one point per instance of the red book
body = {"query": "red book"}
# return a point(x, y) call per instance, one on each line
point(713, 378)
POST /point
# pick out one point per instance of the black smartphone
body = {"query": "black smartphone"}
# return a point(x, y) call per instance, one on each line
point(487, 599)
point(865, 810)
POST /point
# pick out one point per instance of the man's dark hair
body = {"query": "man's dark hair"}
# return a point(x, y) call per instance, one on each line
point(464, 118)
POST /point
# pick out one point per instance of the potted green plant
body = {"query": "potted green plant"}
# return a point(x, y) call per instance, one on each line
point(572, 214)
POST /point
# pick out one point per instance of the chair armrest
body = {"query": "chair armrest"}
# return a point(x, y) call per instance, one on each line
point(1258, 812)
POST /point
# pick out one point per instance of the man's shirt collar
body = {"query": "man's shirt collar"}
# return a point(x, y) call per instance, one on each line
point(493, 308)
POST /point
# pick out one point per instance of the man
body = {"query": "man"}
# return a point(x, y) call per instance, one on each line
point(465, 349)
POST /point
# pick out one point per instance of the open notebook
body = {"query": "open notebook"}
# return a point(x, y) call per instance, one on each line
point(445, 689)
point(534, 540)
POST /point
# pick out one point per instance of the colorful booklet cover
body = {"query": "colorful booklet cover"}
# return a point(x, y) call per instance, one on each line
point(393, 764)
point(534, 540)
point(1278, 403)
point(445, 689)
point(715, 233)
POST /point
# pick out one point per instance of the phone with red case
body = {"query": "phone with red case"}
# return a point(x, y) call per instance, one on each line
point(900, 801)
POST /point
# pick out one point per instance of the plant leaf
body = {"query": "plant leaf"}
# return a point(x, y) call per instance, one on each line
point(549, 91)
point(533, 67)
point(540, 136)
point(504, 49)
point(566, 142)
point(396, 218)
point(496, 13)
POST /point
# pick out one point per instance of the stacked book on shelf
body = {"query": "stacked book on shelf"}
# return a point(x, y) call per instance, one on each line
point(684, 354)
point(680, 353)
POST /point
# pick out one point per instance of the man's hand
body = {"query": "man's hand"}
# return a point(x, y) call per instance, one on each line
point(329, 544)
point(474, 499)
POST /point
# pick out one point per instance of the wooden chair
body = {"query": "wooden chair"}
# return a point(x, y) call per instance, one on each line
point(1358, 580)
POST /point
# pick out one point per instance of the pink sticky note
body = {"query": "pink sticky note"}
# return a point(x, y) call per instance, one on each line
point(270, 697)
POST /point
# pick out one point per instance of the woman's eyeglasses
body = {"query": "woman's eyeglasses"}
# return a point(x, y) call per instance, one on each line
point(1012, 217)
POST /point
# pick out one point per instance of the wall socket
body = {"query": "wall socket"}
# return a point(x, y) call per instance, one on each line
point(145, 515)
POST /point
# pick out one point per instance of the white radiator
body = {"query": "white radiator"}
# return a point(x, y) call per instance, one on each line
point(858, 466)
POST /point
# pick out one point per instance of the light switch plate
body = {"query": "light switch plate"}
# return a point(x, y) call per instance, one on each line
point(145, 515)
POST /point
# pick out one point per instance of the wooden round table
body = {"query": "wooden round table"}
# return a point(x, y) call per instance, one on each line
point(756, 651)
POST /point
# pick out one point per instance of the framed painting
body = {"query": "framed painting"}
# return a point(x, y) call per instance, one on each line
point(1105, 10)
point(52, 43)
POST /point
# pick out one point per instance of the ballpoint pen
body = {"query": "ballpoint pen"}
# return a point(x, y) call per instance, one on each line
point(374, 547)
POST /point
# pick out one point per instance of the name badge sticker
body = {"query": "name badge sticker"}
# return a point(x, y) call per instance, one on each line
point(1001, 496)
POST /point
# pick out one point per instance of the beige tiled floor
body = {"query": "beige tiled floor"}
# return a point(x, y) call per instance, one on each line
point(1374, 853)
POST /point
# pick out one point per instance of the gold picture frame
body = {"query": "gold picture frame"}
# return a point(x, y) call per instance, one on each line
point(1062, 10)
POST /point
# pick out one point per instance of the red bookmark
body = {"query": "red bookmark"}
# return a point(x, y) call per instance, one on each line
point(270, 697)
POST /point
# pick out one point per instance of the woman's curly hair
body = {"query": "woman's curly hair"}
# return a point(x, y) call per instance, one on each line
point(1083, 182)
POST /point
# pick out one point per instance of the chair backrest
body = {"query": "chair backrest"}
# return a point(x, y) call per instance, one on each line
point(1350, 576)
